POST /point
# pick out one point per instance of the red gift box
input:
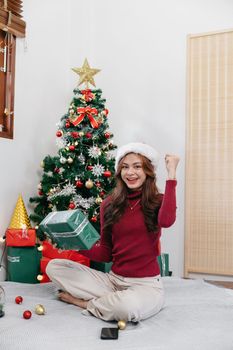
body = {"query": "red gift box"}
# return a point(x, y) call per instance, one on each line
point(20, 237)
point(43, 263)
point(51, 252)
point(45, 278)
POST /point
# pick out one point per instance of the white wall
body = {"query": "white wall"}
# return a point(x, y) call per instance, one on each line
point(41, 96)
point(141, 48)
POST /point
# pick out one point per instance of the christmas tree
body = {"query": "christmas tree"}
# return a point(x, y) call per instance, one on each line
point(81, 175)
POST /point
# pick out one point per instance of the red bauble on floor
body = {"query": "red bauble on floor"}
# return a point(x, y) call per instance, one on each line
point(19, 299)
point(27, 314)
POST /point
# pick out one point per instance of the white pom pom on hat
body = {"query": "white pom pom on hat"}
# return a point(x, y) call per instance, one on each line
point(138, 147)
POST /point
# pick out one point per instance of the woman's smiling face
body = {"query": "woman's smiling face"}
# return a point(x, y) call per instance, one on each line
point(132, 172)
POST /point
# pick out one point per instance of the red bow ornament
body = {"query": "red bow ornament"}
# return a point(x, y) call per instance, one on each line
point(87, 95)
point(82, 113)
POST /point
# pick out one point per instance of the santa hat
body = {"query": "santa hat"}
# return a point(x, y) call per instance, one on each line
point(138, 147)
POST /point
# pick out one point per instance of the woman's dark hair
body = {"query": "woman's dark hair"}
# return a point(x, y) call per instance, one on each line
point(150, 202)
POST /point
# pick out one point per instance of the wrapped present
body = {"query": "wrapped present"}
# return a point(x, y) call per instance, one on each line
point(43, 264)
point(101, 266)
point(69, 230)
point(23, 264)
point(20, 237)
point(49, 251)
point(163, 260)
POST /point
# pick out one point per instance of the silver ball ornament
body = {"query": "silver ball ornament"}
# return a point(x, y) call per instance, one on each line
point(62, 160)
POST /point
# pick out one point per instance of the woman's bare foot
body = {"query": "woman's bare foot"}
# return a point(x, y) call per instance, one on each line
point(68, 298)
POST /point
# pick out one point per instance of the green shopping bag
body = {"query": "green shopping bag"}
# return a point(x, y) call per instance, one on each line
point(23, 264)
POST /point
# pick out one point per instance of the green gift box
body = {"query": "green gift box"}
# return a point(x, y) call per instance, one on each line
point(23, 264)
point(163, 261)
point(69, 229)
point(101, 266)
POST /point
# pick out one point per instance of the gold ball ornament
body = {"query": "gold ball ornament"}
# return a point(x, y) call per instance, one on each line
point(89, 184)
point(42, 164)
point(121, 324)
point(39, 309)
point(81, 133)
point(98, 200)
point(70, 160)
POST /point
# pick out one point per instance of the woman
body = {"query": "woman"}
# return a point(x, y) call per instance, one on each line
point(131, 219)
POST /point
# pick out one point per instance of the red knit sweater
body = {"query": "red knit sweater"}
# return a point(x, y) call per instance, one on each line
point(132, 249)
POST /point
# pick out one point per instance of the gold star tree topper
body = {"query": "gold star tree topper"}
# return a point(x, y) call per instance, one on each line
point(86, 73)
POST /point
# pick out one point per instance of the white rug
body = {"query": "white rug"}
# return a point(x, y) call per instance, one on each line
point(196, 316)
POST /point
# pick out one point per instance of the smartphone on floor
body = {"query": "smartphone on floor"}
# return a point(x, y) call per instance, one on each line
point(109, 333)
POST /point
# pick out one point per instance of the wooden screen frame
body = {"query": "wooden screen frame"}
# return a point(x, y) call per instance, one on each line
point(11, 26)
point(7, 80)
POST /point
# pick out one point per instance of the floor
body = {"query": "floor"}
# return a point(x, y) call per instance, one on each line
point(196, 316)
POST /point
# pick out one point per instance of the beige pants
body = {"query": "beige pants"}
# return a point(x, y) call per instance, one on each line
point(111, 297)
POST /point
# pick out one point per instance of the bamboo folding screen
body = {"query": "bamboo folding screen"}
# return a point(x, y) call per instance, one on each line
point(209, 155)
